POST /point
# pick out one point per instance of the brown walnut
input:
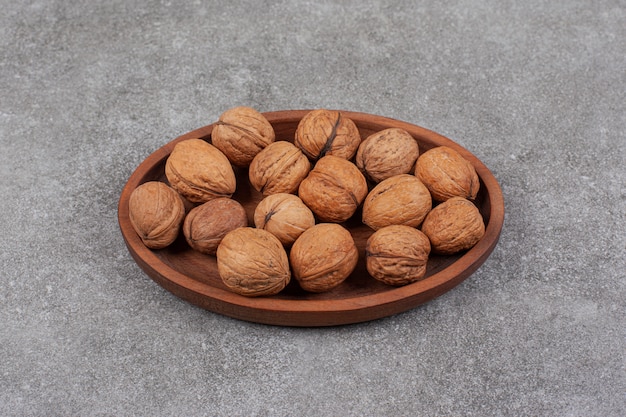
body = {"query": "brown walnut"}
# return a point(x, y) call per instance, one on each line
point(447, 174)
point(334, 189)
point(397, 255)
point(279, 168)
point(284, 215)
point(324, 132)
point(156, 212)
point(387, 153)
point(199, 171)
point(241, 133)
point(252, 262)
point(401, 199)
point(323, 257)
point(453, 226)
point(206, 225)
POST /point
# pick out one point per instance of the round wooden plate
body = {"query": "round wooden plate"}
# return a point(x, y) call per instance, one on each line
point(193, 276)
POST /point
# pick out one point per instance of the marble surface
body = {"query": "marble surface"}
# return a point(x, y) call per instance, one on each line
point(536, 90)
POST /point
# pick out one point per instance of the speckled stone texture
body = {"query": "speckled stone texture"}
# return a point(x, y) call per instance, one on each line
point(536, 90)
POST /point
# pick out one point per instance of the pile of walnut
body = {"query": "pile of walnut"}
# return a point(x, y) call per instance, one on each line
point(310, 187)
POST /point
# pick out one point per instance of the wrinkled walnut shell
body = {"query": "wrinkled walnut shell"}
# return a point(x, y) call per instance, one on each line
point(387, 153)
point(252, 262)
point(241, 133)
point(156, 212)
point(199, 171)
point(401, 199)
point(323, 257)
point(283, 215)
point(326, 132)
point(453, 226)
point(397, 255)
point(206, 225)
point(279, 168)
point(447, 174)
point(334, 189)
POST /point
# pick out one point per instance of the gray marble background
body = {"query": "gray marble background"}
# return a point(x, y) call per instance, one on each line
point(535, 89)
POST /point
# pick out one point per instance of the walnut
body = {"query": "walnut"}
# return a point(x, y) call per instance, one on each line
point(206, 225)
point(325, 132)
point(252, 262)
point(387, 153)
point(156, 212)
point(241, 133)
point(453, 226)
point(199, 171)
point(401, 199)
point(334, 189)
point(279, 168)
point(397, 255)
point(284, 215)
point(323, 257)
point(447, 174)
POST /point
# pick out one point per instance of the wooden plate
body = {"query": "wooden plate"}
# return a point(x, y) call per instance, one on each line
point(193, 276)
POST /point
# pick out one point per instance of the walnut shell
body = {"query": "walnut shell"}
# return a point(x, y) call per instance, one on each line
point(199, 171)
point(206, 225)
point(323, 257)
point(326, 132)
point(283, 215)
point(453, 226)
point(447, 174)
point(156, 212)
point(401, 199)
point(252, 262)
point(397, 255)
point(279, 168)
point(241, 133)
point(387, 153)
point(334, 189)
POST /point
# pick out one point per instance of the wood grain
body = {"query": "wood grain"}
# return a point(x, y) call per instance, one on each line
point(193, 276)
